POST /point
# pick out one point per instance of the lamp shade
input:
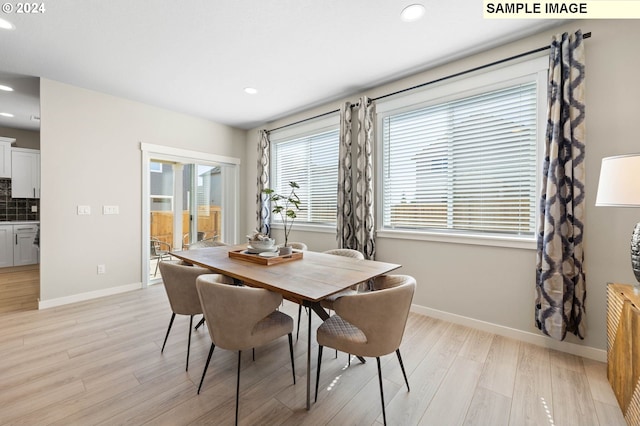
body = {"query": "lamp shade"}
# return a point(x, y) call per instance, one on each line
point(619, 184)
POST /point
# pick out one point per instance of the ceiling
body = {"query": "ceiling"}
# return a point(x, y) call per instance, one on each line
point(196, 57)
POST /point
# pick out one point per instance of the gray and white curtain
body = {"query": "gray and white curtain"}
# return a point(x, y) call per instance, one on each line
point(363, 219)
point(560, 275)
point(263, 212)
point(346, 237)
point(355, 205)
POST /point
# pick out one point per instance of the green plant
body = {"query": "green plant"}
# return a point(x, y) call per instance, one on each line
point(285, 206)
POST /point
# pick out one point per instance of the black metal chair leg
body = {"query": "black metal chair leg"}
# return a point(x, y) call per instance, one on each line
point(173, 316)
point(200, 323)
point(299, 315)
point(318, 371)
point(206, 365)
point(189, 341)
point(384, 415)
point(253, 354)
point(402, 367)
point(293, 367)
point(238, 385)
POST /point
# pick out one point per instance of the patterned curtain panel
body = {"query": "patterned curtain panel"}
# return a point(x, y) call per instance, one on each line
point(345, 234)
point(560, 277)
point(364, 226)
point(263, 212)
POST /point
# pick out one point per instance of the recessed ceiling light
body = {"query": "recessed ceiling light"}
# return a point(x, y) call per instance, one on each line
point(6, 114)
point(6, 25)
point(6, 88)
point(412, 12)
point(250, 90)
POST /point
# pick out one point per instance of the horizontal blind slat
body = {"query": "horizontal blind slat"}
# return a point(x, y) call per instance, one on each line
point(467, 164)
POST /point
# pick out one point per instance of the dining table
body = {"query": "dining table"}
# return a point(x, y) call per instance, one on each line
point(305, 278)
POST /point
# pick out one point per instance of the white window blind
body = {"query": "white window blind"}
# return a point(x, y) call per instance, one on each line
point(464, 166)
point(312, 162)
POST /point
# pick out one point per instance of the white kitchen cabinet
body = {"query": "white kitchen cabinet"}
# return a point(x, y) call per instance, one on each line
point(5, 157)
point(25, 173)
point(24, 251)
point(6, 245)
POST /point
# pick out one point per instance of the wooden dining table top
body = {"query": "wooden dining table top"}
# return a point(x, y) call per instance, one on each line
point(312, 278)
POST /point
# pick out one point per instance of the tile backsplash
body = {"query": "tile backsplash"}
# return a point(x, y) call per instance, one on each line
point(16, 208)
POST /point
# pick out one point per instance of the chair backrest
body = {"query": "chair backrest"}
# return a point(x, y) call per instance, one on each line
point(298, 245)
point(381, 315)
point(346, 253)
point(180, 285)
point(157, 247)
point(388, 281)
point(232, 312)
point(206, 243)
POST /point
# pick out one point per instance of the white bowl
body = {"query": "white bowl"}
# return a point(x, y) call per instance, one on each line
point(262, 244)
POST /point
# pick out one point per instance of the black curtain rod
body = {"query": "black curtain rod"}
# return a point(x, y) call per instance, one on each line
point(303, 120)
point(511, 58)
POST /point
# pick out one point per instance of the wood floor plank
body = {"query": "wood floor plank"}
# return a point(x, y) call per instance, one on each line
point(477, 346)
point(99, 362)
point(574, 384)
point(488, 408)
point(609, 415)
point(427, 377)
point(598, 383)
point(500, 367)
point(451, 403)
point(532, 394)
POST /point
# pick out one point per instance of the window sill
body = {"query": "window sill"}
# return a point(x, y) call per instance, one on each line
point(479, 240)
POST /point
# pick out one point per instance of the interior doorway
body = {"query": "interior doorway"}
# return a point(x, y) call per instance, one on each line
point(187, 200)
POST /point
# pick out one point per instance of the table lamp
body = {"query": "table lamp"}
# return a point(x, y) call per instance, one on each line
point(619, 186)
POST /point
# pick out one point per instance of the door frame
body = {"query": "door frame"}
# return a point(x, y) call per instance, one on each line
point(231, 191)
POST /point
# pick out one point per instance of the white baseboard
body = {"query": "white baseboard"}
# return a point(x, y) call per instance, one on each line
point(536, 339)
point(44, 304)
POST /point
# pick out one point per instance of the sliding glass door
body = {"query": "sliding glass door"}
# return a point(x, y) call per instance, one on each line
point(187, 201)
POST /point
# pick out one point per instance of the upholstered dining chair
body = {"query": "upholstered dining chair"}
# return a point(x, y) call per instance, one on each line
point(296, 245)
point(240, 318)
point(180, 284)
point(370, 324)
point(328, 302)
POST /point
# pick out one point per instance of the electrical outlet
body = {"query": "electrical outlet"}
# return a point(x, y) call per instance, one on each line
point(84, 209)
point(102, 269)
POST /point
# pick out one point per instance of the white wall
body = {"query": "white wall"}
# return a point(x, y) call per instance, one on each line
point(496, 285)
point(90, 152)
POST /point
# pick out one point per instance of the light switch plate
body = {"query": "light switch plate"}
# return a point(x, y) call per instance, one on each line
point(34, 209)
point(110, 210)
point(84, 209)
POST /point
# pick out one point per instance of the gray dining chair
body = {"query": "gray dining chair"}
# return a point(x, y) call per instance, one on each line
point(240, 318)
point(296, 245)
point(370, 324)
point(180, 284)
point(328, 302)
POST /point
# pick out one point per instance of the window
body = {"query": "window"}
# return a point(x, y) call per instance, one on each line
point(311, 160)
point(464, 163)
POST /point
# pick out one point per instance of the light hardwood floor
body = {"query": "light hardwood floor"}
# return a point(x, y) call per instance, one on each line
point(19, 288)
point(99, 362)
